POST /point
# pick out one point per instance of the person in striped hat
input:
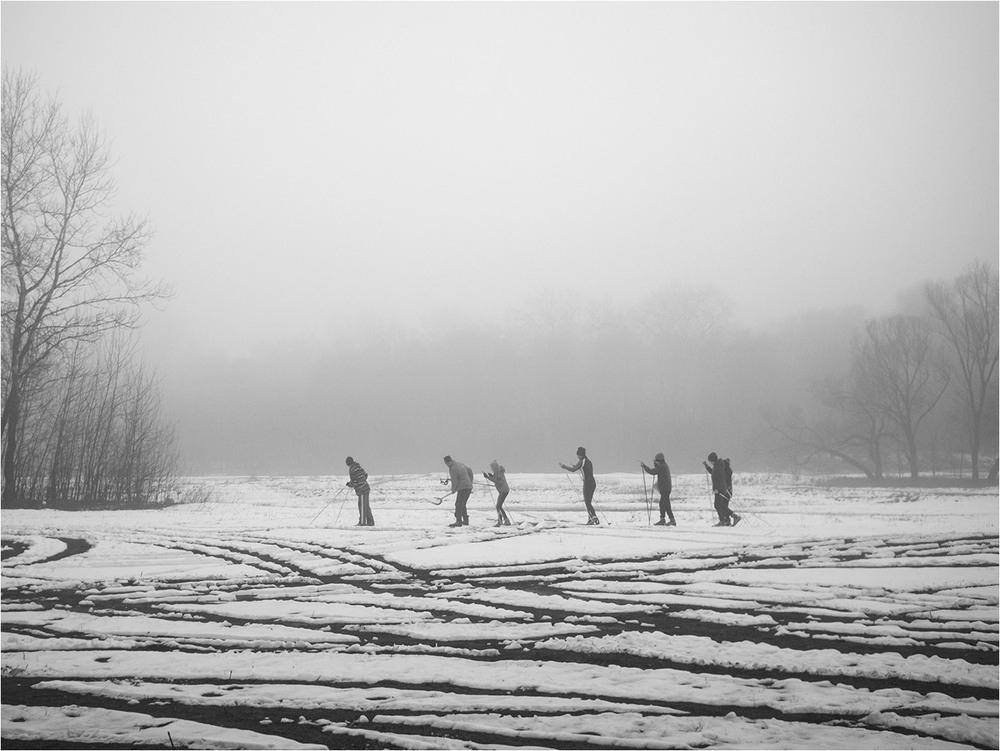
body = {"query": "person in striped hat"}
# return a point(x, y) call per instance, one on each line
point(359, 481)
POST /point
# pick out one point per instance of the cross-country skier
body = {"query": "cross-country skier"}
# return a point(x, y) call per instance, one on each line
point(662, 473)
point(499, 478)
point(461, 486)
point(722, 492)
point(359, 481)
point(589, 483)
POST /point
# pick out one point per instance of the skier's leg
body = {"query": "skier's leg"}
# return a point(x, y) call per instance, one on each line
point(725, 508)
point(369, 519)
point(461, 513)
point(734, 518)
point(665, 508)
point(501, 514)
point(721, 510)
point(588, 501)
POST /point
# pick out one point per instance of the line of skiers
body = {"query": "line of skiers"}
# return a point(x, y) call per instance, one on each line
point(461, 480)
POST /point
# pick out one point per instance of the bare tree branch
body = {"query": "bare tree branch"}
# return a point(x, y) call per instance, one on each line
point(70, 271)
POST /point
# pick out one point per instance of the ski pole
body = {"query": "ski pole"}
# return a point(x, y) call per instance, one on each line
point(327, 504)
point(596, 510)
point(569, 479)
point(492, 499)
point(752, 514)
point(649, 513)
point(340, 510)
point(437, 500)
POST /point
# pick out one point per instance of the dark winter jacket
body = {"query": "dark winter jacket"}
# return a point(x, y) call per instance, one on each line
point(719, 483)
point(662, 473)
point(359, 479)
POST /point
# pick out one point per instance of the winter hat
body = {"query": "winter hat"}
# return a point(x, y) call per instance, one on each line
point(659, 458)
point(713, 457)
point(350, 460)
point(447, 460)
point(581, 451)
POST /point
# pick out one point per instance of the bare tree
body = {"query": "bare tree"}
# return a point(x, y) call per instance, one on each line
point(966, 312)
point(894, 358)
point(99, 441)
point(849, 428)
point(69, 272)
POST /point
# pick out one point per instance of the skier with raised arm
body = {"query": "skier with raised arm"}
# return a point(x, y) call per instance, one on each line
point(586, 466)
point(499, 478)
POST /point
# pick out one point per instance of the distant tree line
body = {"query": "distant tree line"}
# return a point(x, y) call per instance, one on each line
point(81, 419)
point(829, 391)
point(670, 370)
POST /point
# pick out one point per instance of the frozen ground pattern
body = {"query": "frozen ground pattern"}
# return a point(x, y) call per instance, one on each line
point(238, 624)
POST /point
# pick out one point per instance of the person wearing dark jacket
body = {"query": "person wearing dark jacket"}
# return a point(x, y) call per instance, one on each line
point(721, 486)
point(499, 478)
point(589, 483)
point(359, 481)
point(461, 485)
point(662, 473)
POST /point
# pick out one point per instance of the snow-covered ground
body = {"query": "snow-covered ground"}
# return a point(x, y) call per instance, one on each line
point(262, 618)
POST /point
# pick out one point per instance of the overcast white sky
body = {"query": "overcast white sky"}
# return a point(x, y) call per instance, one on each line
point(302, 162)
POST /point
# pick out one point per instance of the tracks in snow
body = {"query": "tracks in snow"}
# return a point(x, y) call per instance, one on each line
point(326, 643)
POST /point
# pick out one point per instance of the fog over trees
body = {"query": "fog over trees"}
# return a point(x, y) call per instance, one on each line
point(497, 231)
point(673, 371)
point(670, 369)
point(81, 416)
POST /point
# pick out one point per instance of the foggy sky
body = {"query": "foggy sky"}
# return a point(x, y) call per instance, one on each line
point(314, 166)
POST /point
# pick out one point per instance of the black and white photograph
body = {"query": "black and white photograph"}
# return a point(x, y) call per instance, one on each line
point(511, 374)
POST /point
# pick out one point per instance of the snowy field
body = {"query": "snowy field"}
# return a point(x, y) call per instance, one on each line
point(844, 618)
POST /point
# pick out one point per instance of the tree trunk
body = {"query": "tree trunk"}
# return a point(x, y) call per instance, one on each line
point(911, 457)
point(13, 419)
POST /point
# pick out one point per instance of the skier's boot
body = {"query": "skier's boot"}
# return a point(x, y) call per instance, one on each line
point(736, 519)
point(671, 523)
point(660, 523)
